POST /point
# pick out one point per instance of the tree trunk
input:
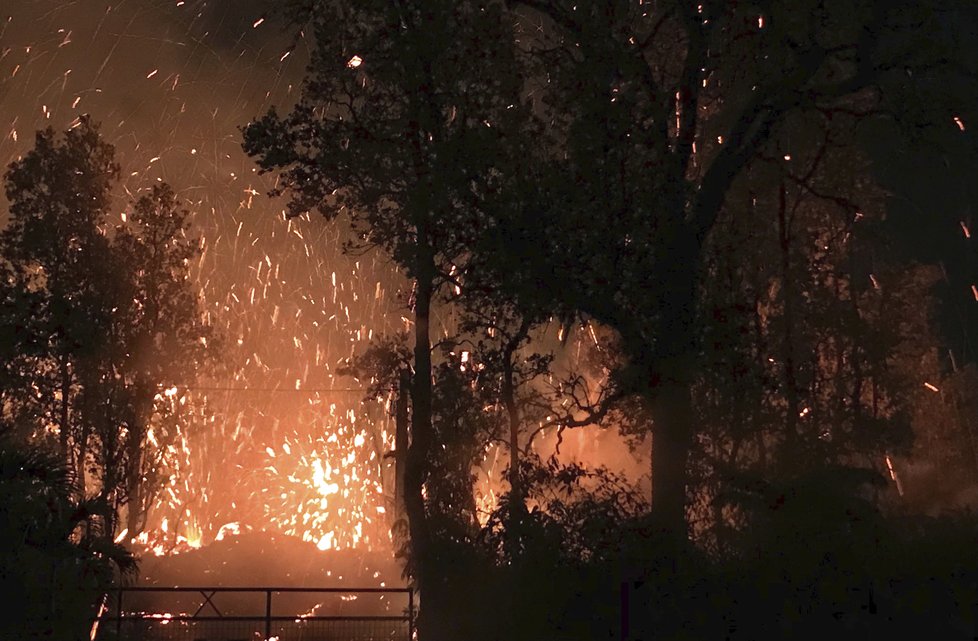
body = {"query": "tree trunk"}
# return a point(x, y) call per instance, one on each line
point(82, 455)
point(513, 415)
point(401, 422)
point(508, 390)
point(416, 466)
point(671, 439)
point(516, 511)
point(787, 300)
point(65, 428)
point(669, 391)
point(135, 516)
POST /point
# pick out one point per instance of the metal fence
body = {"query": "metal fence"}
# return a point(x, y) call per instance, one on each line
point(257, 614)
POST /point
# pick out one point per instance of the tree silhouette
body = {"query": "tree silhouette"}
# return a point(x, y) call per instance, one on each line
point(56, 563)
point(53, 244)
point(388, 133)
point(583, 167)
point(101, 320)
point(165, 336)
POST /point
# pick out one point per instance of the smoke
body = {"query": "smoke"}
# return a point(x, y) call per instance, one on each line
point(171, 82)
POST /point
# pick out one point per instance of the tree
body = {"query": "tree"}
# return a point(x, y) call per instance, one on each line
point(166, 338)
point(102, 320)
point(652, 115)
point(648, 122)
point(55, 567)
point(53, 244)
point(393, 125)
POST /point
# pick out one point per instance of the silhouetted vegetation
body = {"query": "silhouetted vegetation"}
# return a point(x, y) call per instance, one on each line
point(57, 559)
point(697, 185)
point(708, 200)
point(97, 320)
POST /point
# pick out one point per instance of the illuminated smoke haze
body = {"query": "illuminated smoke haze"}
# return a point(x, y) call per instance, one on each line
point(171, 82)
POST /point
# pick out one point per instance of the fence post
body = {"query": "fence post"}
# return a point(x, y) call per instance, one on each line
point(268, 615)
point(118, 613)
point(625, 611)
point(410, 614)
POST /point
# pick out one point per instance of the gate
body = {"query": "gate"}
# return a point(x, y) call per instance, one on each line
point(257, 614)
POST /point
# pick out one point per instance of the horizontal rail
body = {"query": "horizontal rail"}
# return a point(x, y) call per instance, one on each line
point(186, 617)
point(263, 590)
point(266, 620)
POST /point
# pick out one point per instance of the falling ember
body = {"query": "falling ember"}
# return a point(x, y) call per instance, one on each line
point(310, 613)
point(354, 62)
point(102, 608)
point(889, 466)
point(959, 123)
point(931, 387)
point(964, 228)
point(893, 475)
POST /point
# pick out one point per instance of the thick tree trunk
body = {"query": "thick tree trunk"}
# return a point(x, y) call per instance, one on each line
point(513, 415)
point(133, 500)
point(416, 465)
point(509, 354)
point(671, 439)
point(671, 377)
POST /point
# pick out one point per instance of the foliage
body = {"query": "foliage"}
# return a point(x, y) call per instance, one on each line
point(101, 320)
point(57, 559)
point(696, 194)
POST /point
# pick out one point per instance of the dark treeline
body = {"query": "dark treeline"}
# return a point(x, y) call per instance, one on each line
point(736, 213)
point(98, 321)
point(728, 198)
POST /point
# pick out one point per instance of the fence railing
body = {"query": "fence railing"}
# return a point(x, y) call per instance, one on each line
point(253, 613)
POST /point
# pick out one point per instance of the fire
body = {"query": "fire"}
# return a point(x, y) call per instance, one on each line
point(310, 613)
point(228, 528)
point(278, 440)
